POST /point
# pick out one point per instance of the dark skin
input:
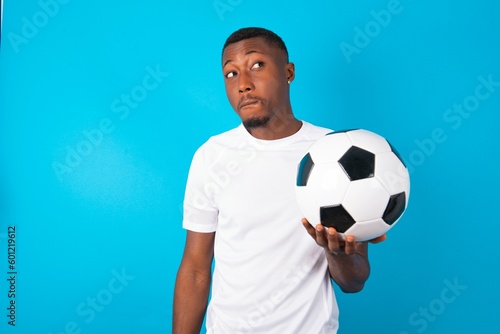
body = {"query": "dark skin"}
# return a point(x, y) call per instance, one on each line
point(256, 77)
point(192, 285)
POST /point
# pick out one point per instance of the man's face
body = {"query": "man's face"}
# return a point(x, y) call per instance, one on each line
point(256, 78)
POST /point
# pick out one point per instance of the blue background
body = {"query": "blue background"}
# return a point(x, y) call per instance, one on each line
point(99, 243)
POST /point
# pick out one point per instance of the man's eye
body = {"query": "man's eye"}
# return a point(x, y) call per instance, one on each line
point(258, 64)
point(230, 75)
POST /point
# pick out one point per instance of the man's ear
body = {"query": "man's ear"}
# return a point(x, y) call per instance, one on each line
point(290, 72)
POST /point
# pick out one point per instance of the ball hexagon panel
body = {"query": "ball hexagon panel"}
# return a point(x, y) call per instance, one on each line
point(358, 163)
point(392, 173)
point(328, 184)
point(369, 229)
point(366, 199)
point(369, 141)
point(329, 148)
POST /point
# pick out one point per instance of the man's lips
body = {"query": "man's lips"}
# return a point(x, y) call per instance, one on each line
point(247, 102)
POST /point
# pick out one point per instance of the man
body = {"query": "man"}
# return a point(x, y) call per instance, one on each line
point(240, 208)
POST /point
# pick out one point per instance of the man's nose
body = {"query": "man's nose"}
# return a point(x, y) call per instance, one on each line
point(245, 83)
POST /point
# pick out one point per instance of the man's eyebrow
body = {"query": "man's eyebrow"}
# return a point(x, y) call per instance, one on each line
point(246, 53)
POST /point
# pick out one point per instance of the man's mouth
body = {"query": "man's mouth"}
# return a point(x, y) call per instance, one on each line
point(248, 102)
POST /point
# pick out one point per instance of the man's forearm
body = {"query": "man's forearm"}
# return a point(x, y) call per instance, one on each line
point(190, 302)
point(349, 271)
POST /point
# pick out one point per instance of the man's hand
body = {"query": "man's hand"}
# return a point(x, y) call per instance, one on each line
point(330, 239)
point(348, 263)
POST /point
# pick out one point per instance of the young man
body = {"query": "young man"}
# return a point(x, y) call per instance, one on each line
point(240, 208)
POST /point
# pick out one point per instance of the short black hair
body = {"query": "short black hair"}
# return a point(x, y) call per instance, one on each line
point(252, 32)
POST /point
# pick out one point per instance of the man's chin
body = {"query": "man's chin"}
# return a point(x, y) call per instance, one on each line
point(256, 122)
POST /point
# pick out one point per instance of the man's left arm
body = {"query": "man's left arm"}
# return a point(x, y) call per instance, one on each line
point(348, 262)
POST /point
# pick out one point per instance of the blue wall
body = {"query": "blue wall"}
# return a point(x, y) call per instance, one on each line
point(103, 103)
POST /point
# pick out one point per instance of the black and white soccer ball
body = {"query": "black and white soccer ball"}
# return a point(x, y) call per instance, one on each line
point(354, 181)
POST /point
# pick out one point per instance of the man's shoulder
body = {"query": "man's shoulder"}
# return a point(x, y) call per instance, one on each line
point(228, 134)
point(224, 138)
point(219, 142)
point(315, 131)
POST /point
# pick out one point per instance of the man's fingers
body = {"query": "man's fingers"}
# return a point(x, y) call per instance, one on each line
point(350, 245)
point(321, 236)
point(328, 237)
point(309, 228)
point(334, 244)
point(317, 233)
point(378, 239)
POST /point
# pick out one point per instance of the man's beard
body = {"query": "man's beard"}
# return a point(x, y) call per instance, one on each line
point(256, 122)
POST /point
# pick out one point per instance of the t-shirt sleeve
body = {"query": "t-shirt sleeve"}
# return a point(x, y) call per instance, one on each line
point(200, 211)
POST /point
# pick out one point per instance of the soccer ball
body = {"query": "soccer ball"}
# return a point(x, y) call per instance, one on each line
point(354, 181)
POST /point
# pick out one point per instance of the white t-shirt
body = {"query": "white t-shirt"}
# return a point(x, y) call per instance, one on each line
point(269, 274)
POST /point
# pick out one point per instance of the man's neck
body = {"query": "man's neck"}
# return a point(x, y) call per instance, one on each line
point(277, 128)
